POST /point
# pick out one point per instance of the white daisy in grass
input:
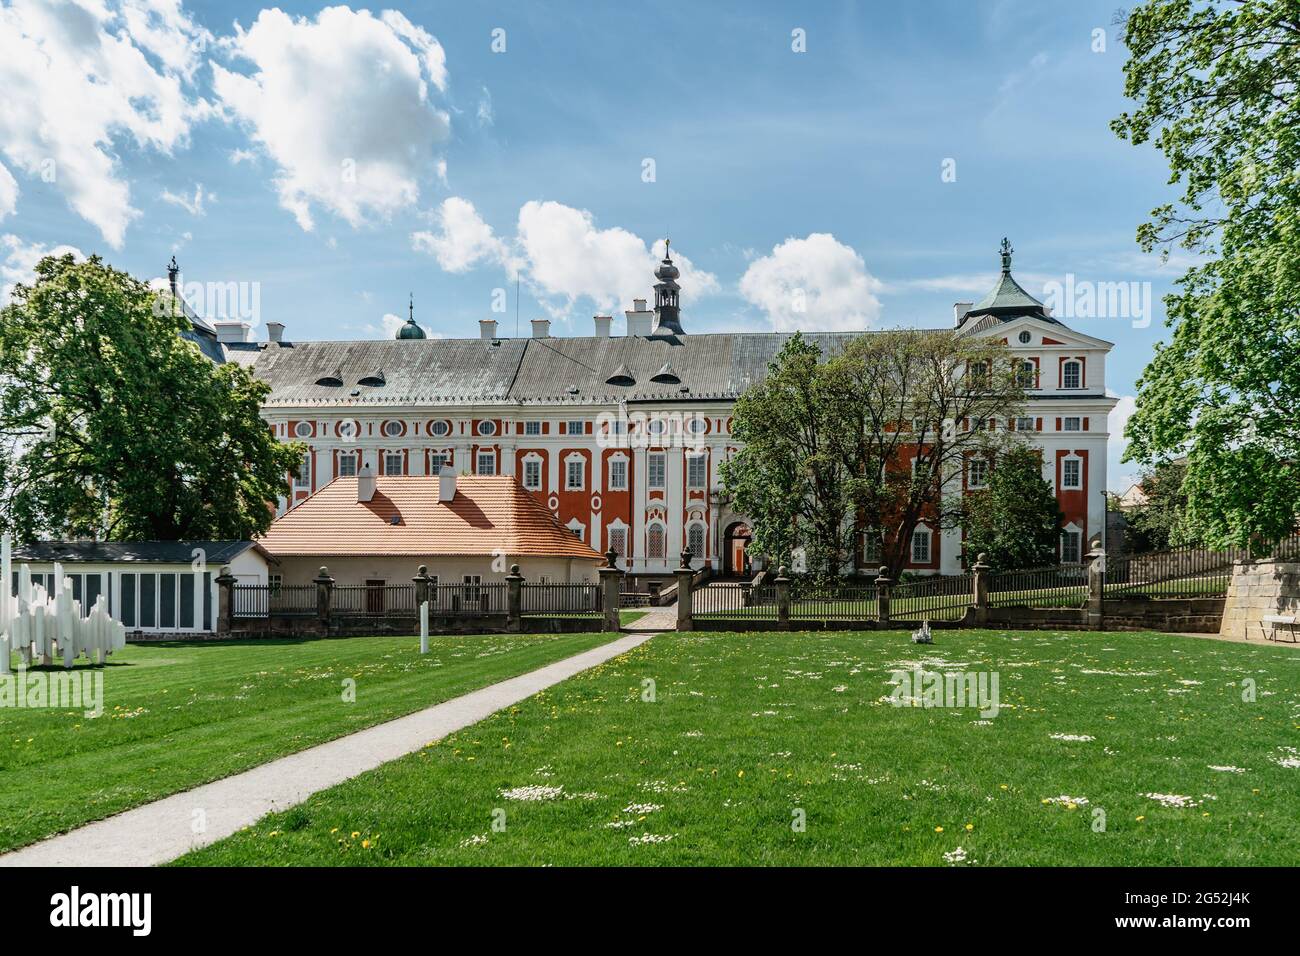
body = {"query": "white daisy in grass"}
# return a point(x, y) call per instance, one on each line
point(1067, 801)
point(478, 839)
point(693, 733)
point(532, 794)
point(1074, 738)
point(840, 688)
point(642, 807)
point(1175, 800)
point(1101, 673)
point(1288, 757)
point(645, 838)
point(1227, 769)
point(955, 857)
point(1190, 683)
point(587, 795)
point(619, 824)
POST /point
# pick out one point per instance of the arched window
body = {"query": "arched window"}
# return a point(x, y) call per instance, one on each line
point(1072, 374)
point(695, 541)
point(654, 542)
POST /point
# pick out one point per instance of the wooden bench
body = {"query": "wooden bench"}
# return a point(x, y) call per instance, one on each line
point(1271, 624)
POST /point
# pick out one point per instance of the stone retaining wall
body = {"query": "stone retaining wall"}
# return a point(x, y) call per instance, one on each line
point(1258, 588)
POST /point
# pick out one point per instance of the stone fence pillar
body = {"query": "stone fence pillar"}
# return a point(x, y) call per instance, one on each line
point(882, 597)
point(225, 601)
point(684, 574)
point(782, 583)
point(324, 594)
point(611, 581)
point(1096, 585)
point(514, 600)
point(980, 588)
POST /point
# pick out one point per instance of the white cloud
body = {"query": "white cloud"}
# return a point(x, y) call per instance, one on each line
point(18, 261)
point(342, 105)
point(462, 239)
point(194, 206)
point(391, 324)
point(238, 156)
point(81, 79)
point(8, 192)
point(485, 113)
point(1119, 474)
point(817, 283)
point(560, 252)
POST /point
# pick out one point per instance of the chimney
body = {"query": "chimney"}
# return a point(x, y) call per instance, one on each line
point(639, 319)
point(541, 328)
point(959, 310)
point(446, 483)
point(487, 328)
point(603, 324)
point(365, 484)
point(274, 331)
point(232, 331)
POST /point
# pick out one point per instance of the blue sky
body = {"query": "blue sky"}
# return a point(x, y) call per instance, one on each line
point(475, 167)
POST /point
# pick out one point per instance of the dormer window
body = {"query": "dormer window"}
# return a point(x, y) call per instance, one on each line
point(331, 381)
point(621, 376)
point(375, 380)
point(666, 376)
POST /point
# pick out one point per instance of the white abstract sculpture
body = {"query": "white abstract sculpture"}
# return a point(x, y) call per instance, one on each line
point(923, 635)
point(37, 624)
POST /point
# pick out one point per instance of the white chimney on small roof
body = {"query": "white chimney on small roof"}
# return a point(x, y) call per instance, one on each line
point(541, 328)
point(274, 331)
point(638, 305)
point(487, 328)
point(365, 484)
point(959, 310)
point(639, 319)
point(603, 325)
point(446, 484)
point(231, 331)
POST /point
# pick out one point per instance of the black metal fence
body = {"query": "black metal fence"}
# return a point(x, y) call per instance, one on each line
point(467, 599)
point(1063, 585)
point(560, 600)
point(932, 599)
point(263, 600)
point(849, 601)
point(740, 601)
point(1177, 573)
point(359, 600)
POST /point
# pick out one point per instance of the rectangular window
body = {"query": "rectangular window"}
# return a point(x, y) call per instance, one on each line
point(347, 465)
point(304, 473)
point(656, 464)
point(128, 599)
point(1071, 473)
point(1024, 424)
point(1071, 424)
point(871, 547)
point(532, 428)
point(393, 462)
point(977, 473)
point(573, 474)
point(618, 475)
point(533, 474)
point(921, 546)
point(471, 590)
point(187, 602)
point(1072, 375)
point(437, 463)
point(574, 428)
point(207, 600)
point(1071, 545)
point(167, 600)
point(148, 599)
point(696, 471)
point(487, 463)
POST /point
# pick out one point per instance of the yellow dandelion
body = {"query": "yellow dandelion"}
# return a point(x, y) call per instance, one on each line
point(1003, 787)
point(938, 829)
point(741, 774)
point(365, 844)
point(355, 834)
point(970, 826)
point(1140, 819)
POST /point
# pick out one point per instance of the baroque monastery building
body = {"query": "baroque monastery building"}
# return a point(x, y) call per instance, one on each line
point(621, 436)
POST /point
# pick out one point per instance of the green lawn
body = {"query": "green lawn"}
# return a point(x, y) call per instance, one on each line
point(178, 715)
point(748, 731)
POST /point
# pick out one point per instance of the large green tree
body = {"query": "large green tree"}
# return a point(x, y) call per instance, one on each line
point(1016, 521)
point(868, 440)
point(1217, 86)
point(1160, 522)
point(112, 425)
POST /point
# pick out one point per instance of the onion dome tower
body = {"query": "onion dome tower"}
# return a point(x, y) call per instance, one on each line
point(410, 330)
point(667, 310)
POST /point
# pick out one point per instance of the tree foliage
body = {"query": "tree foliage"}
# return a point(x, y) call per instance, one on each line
point(870, 439)
point(112, 425)
point(1161, 521)
point(1015, 522)
point(1216, 91)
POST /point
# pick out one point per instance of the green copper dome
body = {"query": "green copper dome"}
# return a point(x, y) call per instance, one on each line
point(1007, 297)
point(410, 330)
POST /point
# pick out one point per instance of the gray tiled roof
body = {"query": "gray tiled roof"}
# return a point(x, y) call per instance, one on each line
point(524, 371)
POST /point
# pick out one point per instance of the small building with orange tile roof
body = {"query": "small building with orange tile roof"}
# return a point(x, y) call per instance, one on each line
point(367, 529)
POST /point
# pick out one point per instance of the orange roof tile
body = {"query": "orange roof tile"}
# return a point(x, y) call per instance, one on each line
point(490, 514)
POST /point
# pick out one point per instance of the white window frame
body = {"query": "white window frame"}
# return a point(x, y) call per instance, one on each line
point(304, 471)
point(481, 457)
point(392, 429)
point(922, 533)
point(983, 466)
point(569, 484)
point(1025, 423)
point(387, 462)
point(1065, 374)
point(437, 460)
point(580, 430)
point(486, 428)
point(1065, 473)
point(533, 427)
point(663, 541)
point(303, 430)
point(349, 456)
point(434, 426)
point(1070, 533)
point(618, 474)
point(697, 527)
point(578, 528)
point(701, 482)
point(531, 463)
point(660, 459)
point(618, 539)
point(1076, 419)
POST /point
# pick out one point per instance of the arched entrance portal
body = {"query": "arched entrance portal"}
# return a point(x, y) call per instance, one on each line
point(735, 552)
